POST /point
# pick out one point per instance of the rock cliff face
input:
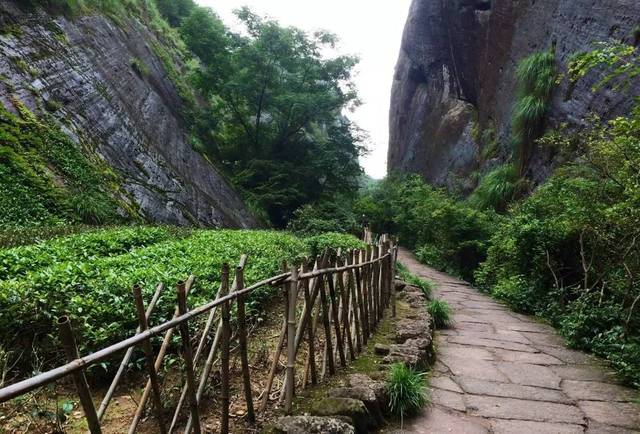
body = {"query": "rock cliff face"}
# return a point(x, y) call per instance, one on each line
point(456, 77)
point(113, 96)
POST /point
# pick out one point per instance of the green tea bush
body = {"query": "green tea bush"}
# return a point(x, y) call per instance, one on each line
point(19, 261)
point(407, 390)
point(332, 240)
point(89, 277)
point(440, 312)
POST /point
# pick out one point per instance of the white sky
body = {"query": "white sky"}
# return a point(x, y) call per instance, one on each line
point(371, 29)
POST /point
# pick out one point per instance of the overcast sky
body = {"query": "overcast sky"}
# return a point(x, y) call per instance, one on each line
point(371, 29)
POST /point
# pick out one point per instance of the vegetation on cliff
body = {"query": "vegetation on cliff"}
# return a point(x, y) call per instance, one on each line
point(569, 251)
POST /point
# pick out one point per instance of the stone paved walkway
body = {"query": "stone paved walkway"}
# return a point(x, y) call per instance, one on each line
point(502, 372)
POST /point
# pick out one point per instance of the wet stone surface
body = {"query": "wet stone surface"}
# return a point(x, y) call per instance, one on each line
point(502, 372)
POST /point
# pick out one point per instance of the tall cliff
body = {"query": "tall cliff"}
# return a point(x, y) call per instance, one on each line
point(102, 80)
point(455, 80)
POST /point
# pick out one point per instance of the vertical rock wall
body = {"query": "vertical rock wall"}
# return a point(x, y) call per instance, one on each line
point(456, 72)
point(116, 100)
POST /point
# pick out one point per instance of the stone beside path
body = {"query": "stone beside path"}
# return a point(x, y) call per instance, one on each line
point(501, 372)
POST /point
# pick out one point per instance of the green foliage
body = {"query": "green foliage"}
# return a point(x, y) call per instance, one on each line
point(319, 243)
point(276, 105)
point(536, 79)
point(404, 274)
point(440, 312)
point(45, 179)
point(89, 277)
point(447, 234)
point(407, 390)
point(569, 251)
point(497, 189)
point(335, 215)
point(18, 261)
point(619, 60)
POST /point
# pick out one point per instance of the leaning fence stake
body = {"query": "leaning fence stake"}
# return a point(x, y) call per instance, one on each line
point(148, 352)
point(71, 351)
point(291, 333)
point(188, 358)
point(224, 350)
point(242, 339)
point(125, 360)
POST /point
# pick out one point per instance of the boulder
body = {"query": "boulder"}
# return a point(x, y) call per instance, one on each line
point(377, 387)
point(309, 425)
point(353, 408)
point(412, 329)
point(368, 397)
point(399, 284)
point(417, 353)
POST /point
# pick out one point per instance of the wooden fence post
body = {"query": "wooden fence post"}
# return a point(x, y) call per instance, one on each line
point(71, 352)
point(188, 358)
point(224, 352)
point(327, 329)
point(278, 351)
point(310, 331)
point(291, 340)
point(127, 356)
point(148, 352)
point(242, 339)
point(356, 298)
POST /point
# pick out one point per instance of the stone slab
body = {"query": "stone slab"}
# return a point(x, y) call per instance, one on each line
point(509, 408)
point(508, 390)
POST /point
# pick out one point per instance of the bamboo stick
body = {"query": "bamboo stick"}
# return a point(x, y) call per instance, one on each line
point(158, 364)
point(291, 330)
point(344, 294)
point(224, 353)
point(310, 332)
point(242, 339)
point(71, 351)
point(356, 300)
point(148, 352)
point(278, 351)
point(127, 357)
point(336, 321)
point(316, 320)
point(328, 357)
point(188, 358)
point(375, 286)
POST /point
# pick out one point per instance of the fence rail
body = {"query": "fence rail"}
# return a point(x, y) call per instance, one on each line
point(343, 297)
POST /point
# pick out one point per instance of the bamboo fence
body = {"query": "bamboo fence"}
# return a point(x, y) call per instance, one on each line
point(335, 300)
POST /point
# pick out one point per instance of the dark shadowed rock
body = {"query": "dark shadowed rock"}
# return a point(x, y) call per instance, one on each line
point(368, 397)
point(353, 408)
point(309, 425)
point(381, 349)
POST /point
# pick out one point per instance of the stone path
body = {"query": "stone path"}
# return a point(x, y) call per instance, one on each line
point(502, 372)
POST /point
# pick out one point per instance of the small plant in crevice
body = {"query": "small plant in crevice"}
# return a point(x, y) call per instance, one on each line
point(536, 78)
point(497, 189)
point(425, 285)
point(407, 391)
point(441, 313)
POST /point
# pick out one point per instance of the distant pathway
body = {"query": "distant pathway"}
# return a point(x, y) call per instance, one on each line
point(502, 372)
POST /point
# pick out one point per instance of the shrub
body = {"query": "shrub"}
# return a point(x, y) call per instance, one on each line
point(407, 391)
point(440, 312)
point(317, 244)
point(89, 277)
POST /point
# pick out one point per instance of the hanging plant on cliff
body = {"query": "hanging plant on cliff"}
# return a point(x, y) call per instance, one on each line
point(536, 78)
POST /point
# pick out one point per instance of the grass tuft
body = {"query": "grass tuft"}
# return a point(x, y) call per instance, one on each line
point(441, 313)
point(407, 390)
point(425, 285)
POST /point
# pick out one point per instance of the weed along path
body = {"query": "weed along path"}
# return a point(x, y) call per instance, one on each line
point(501, 372)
